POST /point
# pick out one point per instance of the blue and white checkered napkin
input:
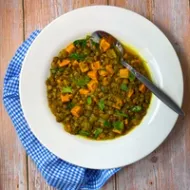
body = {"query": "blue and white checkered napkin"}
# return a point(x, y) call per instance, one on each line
point(56, 172)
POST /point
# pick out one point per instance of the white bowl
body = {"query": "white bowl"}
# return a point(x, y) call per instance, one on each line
point(132, 29)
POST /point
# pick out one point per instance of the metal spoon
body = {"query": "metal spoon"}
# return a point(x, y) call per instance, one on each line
point(97, 35)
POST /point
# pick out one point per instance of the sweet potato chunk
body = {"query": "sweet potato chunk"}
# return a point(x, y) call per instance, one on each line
point(96, 65)
point(66, 97)
point(76, 111)
point(92, 85)
point(109, 69)
point(124, 73)
point(142, 88)
point(118, 104)
point(105, 81)
point(75, 63)
point(83, 67)
point(117, 131)
point(70, 48)
point(126, 122)
point(130, 93)
point(92, 74)
point(104, 45)
point(102, 72)
point(83, 91)
point(64, 62)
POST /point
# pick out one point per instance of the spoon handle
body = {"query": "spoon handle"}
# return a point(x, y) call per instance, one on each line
point(155, 90)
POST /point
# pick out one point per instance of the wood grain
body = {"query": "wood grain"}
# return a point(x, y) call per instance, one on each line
point(37, 14)
point(12, 155)
point(168, 168)
point(176, 25)
point(138, 6)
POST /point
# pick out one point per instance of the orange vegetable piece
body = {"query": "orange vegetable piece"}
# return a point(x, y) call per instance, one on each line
point(83, 67)
point(58, 81)
point(75, 63)
point(92, 85)
point(130, 93)
point(126, 121)
point(66, 97)
point(81, 102)
point(64, 62)
point(103, 73)
point(70, 48)
point(76, 111)
point(118, 103)
point(109, 69)
point(142, 88)
point(92, 74)
point(116, 131)
point(95, 65)
point(104, 45)
point(68, 127)
point(83, 91)
point(105, 81)
point(123, 73)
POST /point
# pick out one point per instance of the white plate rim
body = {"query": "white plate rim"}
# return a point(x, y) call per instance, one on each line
point(22, 70)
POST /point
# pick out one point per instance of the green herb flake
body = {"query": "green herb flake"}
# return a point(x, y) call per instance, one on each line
point(136, 109)
point(107, 124)
point(61, 69)
point(131, 77)
point(117, 113)
point(89, 100)
point(53, 71)
point(70, 105)
point(97, 132)
point(101, 104)
point(67, 89)
point(82, 81)
point(84, 133)
point(76, 56)
point(81, 42)
point(123, 87)
point(118, 125)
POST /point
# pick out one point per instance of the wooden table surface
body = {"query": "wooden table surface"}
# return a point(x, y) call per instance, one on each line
point(168, 167)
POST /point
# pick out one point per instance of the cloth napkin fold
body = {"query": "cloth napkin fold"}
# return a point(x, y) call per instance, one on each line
point(57, 172)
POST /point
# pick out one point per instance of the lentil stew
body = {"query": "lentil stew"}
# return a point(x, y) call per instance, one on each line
point(92, 94)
